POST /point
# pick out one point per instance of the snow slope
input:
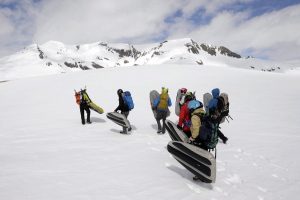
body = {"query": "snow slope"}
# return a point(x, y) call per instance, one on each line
point(45, 152)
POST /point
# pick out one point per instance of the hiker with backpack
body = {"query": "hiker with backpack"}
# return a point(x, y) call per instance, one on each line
point(83, 100)
point(161, 104)
point(184, 122)
point(218, 109)
point(125, 105)
point(196, 112)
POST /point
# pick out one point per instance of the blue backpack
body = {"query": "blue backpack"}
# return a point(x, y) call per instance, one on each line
point(128, 100)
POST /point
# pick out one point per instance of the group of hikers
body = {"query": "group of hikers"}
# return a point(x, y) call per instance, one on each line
point(192, 112)
point(195, 118)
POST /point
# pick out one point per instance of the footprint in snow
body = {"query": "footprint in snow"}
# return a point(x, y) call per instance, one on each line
point(194, 188)
point(155, 149)
point(275, 176)
point(233, 179)
point(167, 165)
point(260, 198)
point(262, 189)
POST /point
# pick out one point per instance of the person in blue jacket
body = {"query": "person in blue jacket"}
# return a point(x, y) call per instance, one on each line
point(213, 109)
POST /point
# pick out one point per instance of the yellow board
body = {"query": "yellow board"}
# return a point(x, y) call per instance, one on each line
point(96, 108)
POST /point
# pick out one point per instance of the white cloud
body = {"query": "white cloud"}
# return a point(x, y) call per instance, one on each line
point(79, 21)
point(264, 34)
point(136, 21)
point(17, 25)
point(6, 26)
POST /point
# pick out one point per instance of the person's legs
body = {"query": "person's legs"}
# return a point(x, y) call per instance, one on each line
point(125, 129)
point(158, 126)
point(82, 113)
point(222, 137)
point(158, 118)
point(164, 125)
point(126, 115)
point(164, 117)
point(88, 113)
point(188, 133)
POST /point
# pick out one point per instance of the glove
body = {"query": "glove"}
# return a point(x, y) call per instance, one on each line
point(179, 127)
point(191, 140)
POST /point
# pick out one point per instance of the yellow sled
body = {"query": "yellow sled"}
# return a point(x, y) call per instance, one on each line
point(96, 108)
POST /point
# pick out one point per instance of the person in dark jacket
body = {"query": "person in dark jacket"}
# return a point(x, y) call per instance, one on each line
point(123, 108)
point(83, 100)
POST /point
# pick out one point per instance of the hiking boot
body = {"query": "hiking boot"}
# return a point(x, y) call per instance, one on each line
point(159, 131)
point(89, 122)
point(196, 178)
point(225, 140)
point(123, 132)
point(129, 129)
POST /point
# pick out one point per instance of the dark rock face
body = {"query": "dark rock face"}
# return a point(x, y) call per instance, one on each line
point(208, 49)
point(193, 47)
point(200, 62)
point(71, 65)
point(131, 52)
point(83, 67)
point(41, 53)
point(97, 66)
point(227, 52)
point(157, 53)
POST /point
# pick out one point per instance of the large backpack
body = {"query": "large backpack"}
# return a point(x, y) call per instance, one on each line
point(208, 134)
point(163, 101)
point(128, 100)
point(78, 97)
point(206, 99)
point(223, 106)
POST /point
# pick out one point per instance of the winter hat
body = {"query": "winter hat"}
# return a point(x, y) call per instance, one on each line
point(183, 90)
point(120, 91)
point(189, 96)
point(215, 92)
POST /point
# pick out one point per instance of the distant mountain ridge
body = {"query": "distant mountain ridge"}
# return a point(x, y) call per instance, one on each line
point(55, 57)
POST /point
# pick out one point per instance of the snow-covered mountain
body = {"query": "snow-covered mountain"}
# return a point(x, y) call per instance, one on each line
point(55, 57)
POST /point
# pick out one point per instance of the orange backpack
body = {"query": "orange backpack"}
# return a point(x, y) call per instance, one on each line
point(77, 97)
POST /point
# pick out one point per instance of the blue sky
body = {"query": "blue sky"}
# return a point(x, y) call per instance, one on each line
point(245, 26)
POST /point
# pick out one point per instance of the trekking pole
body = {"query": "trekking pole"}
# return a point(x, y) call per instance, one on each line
point(227, 119)
point(230, 117)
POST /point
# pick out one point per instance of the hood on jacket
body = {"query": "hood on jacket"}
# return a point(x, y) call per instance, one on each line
point(120, 92)
point(215, 92)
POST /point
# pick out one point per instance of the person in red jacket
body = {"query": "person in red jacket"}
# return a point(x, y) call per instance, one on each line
point(184, 122)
